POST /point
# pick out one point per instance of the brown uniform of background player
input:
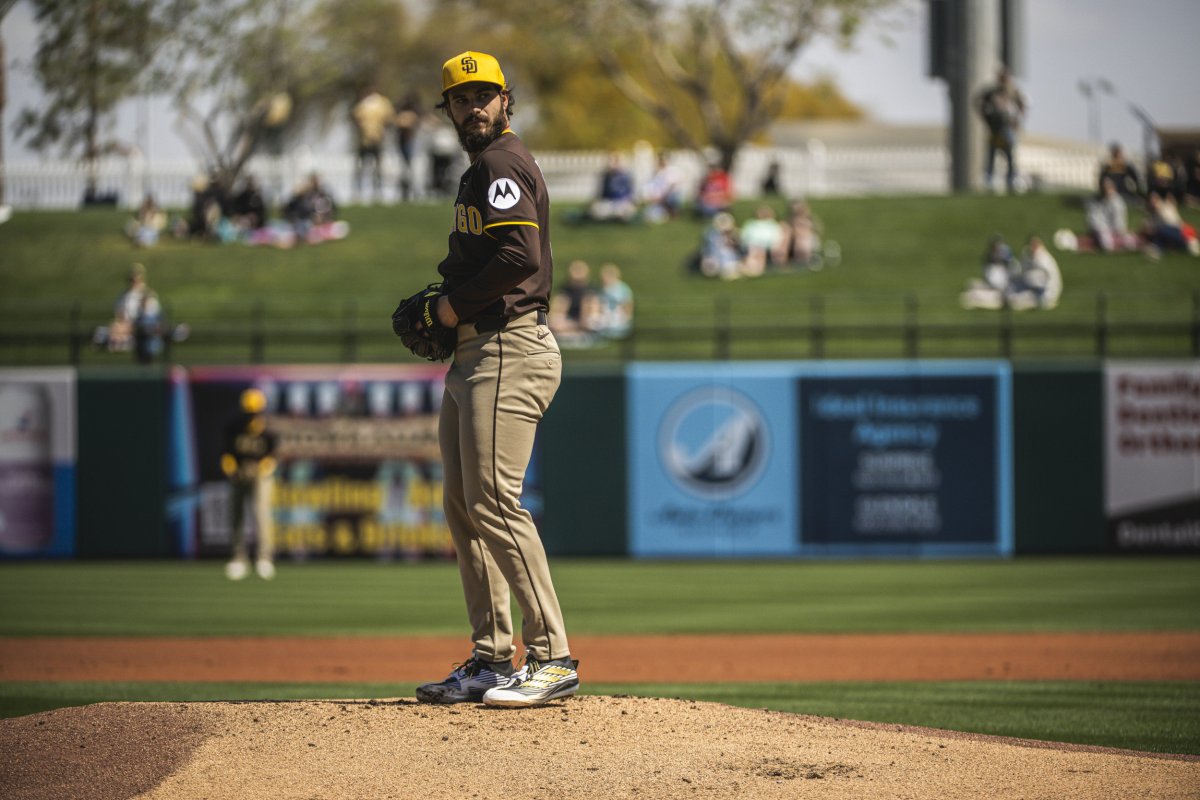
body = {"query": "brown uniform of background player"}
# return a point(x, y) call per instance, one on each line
point(507, 367)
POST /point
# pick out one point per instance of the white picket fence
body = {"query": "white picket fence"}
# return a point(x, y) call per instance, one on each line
point(814, 170)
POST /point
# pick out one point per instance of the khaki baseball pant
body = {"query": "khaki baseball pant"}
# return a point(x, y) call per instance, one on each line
point(259, 492)
point(500, 384)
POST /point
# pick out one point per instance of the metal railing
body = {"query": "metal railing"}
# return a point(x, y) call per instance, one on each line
point(899, 328)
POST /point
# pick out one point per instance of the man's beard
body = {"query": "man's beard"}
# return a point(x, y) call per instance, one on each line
point(475, 141)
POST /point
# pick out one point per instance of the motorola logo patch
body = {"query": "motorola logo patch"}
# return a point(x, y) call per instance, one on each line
point(504, 193)
point(714, 443)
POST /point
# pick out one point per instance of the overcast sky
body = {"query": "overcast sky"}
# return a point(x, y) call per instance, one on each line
point(1147, 49)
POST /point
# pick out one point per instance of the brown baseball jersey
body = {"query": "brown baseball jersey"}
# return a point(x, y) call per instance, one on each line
point(500, 262)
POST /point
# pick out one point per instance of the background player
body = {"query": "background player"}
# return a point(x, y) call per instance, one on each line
point(247, 459)
point(507, 367)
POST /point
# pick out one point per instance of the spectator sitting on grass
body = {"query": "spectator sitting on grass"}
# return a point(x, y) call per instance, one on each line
point(1163, 228)
point(208, 209)
point(662, 193)
point(1163, 179)
point(568, 305)
point(1191, 183)
point(802, 231)
point(616, 199)
point(1108, 225)
point(1033, 282)
point(720, 250)
point(1039, 283)
point(147, 223)
point(312, 213)
point(715, 195)
point(137, 322)
point(764, 242)
point(1122, 174)
point(614, 307)
point(249, 207)
point(999, 267)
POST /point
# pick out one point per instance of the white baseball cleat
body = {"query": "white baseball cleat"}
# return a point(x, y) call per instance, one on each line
point(237, 569)
point(265, 568)
point(541, 683)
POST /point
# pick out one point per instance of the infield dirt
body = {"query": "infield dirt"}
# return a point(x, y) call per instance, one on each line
point(586, 747)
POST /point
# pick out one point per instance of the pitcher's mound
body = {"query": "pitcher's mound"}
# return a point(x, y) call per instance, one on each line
point(583, 747)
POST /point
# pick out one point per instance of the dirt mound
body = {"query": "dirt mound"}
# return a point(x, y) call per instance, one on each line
point(583, 747)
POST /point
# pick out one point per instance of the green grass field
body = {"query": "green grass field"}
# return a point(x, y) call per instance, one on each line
point(613, 597)
point(903, 256)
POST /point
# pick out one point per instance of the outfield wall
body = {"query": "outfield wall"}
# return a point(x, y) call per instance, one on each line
point(725, 459)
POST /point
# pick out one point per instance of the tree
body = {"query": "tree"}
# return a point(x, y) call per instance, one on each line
point(356, 44)
point(230, 65)
point(239, 66)
point(259, 72)
point(5, 6)
point(89, 57)
point(710, 73)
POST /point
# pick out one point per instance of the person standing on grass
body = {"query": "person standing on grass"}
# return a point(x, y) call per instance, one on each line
point(1002, 107)
point(248, 461)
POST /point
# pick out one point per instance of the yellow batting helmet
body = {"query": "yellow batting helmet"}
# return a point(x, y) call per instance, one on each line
point(253, 401)
point(471, 66)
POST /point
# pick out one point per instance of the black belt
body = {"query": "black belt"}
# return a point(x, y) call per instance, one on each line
point(492, 324)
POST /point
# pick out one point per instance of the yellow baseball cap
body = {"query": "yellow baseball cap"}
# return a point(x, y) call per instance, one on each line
point(471, 66)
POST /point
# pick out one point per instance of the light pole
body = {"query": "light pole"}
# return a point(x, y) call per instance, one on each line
point(1091, 89)
point(1149, 134)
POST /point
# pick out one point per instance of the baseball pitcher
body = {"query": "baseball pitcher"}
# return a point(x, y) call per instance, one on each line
point(490, 313)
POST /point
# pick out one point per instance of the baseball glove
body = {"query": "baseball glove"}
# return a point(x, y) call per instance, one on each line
point(415, 322)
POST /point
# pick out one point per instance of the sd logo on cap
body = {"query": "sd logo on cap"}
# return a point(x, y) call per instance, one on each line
point(471, 66)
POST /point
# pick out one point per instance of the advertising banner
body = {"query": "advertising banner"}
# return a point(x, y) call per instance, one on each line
point(37, 462)
point(820, 459)
point(905, 460)
point(359, 468)
point(712, 464)
point(1152, 456)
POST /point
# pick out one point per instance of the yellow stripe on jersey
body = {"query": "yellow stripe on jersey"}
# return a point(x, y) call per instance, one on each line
point(516, 222)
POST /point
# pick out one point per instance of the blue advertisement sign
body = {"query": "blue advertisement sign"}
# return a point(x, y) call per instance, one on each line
point(712, 469)
point(904, 464)
point(820, 459)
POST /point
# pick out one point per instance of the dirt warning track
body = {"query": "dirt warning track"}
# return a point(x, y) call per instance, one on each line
point(618, 659)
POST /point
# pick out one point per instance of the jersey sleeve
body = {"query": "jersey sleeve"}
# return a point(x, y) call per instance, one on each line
point(508, 191)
